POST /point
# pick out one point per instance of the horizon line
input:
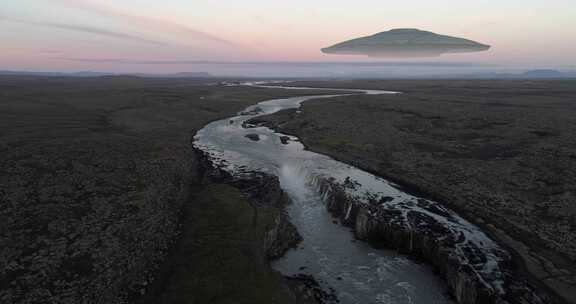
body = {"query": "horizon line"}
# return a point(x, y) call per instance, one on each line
point(282, 62)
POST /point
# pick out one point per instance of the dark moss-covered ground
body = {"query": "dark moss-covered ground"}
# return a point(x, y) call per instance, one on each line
point(224, 235)
point(94, 174)
point(503, 153)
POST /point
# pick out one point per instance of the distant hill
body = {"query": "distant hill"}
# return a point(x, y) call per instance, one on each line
point(548, 74)
point(176, 75)
point(405, 43)
point(531, 74)
point(535, 74)
point(101, 74)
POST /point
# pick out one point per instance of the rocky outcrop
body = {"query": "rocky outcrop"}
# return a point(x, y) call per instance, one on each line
point(263, 191)
point(309, 290)
point(253, 137)
point(473, 275)
point(509, 174)
point(230, 229)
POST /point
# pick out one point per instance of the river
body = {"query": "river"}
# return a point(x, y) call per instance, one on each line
point(355, 271)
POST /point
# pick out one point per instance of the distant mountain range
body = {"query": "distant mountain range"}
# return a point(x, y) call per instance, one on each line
point(549, 74)
point(531, 74)
point(102, 74)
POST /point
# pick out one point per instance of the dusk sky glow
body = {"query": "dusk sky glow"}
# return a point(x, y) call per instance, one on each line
point(70, 35)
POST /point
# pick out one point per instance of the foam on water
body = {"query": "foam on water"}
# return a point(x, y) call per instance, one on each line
point(358, 272)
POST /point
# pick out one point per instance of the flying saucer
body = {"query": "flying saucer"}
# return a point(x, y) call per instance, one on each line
point(406, 43)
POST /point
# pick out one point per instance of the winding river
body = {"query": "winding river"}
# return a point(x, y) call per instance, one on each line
point(353, 270)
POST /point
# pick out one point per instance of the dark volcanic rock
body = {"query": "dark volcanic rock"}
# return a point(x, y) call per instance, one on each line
point(310, 290)
point(94, 173)
point(473, 275)
point(500, 153)
point(232, 230)
point(253, 137)
point(263, 191)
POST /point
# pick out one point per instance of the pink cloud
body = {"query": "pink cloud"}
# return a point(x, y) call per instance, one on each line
point(156, 24)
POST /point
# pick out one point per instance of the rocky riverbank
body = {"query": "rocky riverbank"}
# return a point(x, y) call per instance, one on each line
point(230, 232)
point(94, 176)
point(490, 150)
point(474, 275)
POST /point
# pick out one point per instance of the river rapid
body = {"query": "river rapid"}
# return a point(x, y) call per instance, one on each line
point(353, 270)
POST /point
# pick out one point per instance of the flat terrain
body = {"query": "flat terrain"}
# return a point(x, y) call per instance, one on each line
point(94, 174)
point(502, 153)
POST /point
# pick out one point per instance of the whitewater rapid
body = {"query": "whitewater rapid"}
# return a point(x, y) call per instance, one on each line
point(355, 271)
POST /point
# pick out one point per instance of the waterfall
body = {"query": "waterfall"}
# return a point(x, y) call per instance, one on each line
point(469, 260)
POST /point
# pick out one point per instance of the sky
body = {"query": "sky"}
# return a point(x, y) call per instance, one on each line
point(176, 35)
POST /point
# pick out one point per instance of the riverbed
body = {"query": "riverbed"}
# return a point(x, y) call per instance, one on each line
point(353, 270)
